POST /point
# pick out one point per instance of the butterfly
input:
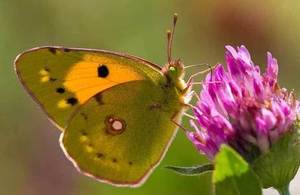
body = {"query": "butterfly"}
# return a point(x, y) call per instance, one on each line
point(117, 113)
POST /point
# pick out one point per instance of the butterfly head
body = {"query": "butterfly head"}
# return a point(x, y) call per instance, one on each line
point(174, 70)
point(174, 73)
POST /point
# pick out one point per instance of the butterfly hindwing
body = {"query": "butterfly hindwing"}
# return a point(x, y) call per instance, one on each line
point(120, 135)
point(62, 79)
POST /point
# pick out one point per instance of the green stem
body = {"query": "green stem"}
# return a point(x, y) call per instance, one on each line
point(284, 190)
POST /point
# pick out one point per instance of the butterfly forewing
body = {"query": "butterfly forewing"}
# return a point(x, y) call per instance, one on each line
point(62, 79)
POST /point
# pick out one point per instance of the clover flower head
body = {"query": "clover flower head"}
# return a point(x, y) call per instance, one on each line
point(241, 107)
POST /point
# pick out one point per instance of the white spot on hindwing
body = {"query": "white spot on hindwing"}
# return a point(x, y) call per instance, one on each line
point(114, 125)
point(117, 125)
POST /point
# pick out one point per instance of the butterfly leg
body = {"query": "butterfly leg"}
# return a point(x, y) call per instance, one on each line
point(196, 65)
point(189, 81)
point(189, 116)
point(194, 94)
point(173, 119)
point(188, 97)
point(201, 83)
point(210, 69)
point(190, 106)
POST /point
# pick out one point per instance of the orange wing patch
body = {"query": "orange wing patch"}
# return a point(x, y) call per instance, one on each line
point(85, 79)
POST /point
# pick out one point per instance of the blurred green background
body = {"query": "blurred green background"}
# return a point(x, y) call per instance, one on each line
point(31, 161)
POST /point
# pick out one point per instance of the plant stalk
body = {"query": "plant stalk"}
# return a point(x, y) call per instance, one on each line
point(284, 190)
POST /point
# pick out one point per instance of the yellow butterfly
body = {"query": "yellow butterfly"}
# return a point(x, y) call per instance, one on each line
point(117, 113)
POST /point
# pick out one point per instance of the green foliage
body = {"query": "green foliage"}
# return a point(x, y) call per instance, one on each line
point(192, 171)
point(233, 175)
point(279, 166)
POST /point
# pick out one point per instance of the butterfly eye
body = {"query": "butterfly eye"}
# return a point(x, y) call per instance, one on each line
point(172, 69)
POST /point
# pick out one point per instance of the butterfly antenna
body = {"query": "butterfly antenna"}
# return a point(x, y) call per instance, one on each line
point(170, 35)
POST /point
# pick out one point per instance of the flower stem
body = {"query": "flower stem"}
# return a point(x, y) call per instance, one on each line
point(284, 190)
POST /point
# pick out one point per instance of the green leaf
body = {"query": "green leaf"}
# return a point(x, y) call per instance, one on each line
point(192, 171)
point(279, 166)
point(233, 175)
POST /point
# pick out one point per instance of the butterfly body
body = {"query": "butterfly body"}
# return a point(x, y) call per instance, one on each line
point(115, 111)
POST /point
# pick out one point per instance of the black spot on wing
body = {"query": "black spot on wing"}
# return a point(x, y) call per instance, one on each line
point(154, 106)
point(83, 133)
point(85, 117)
point(100, 155)
point(66, 49)
point(73, 101)
point(60, 90)
point(99, 99)
point(52, 50)
point(52, 79)
point(103, 71)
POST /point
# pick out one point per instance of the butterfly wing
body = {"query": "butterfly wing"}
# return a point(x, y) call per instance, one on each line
point(120, 134)
point(61, 79)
